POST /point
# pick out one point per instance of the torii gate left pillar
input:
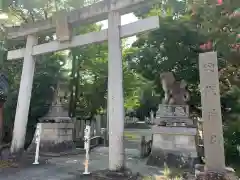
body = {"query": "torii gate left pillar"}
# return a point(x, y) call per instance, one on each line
point(24, 96)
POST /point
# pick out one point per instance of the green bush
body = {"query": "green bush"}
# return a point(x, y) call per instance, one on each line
point(232, 142)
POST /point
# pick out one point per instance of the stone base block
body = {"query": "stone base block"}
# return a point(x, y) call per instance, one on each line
point(55, 138)
point(170, 121)
point(215, 176)
point(173, 146)
point(52, 147)
point(202, 174)
point(172, 159)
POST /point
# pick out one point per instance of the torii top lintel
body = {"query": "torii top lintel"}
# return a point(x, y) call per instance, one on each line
point(90, 14)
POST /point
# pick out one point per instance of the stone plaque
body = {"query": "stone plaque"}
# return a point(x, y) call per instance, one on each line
point(173, 111)
point(182, 140)
point(163, 141)
point(167, 145)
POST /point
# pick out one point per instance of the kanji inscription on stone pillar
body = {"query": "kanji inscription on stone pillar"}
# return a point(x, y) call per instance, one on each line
point(63, 30)
point(211, 112)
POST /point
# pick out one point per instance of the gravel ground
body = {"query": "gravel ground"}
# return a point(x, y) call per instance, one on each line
point(71, 167)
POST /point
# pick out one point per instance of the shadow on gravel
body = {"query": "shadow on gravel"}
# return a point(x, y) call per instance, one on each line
point(137, 126)
point(12, 165)
point(109, 175)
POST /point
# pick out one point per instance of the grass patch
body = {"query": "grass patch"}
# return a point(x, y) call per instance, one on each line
point(131, 136)
point(7, 164)
point(237, 169)
point(171, 174)
point(168, 174)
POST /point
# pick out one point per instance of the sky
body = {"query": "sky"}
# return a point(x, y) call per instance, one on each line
point(125, 19)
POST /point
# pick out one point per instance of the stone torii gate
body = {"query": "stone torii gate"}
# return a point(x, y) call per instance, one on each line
point(111, 9)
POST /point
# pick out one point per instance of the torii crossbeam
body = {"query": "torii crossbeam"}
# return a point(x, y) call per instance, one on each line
point(89, 14)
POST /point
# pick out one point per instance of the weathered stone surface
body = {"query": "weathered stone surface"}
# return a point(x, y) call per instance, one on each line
point(172, 159)
point(111, 175)
point(174, 133)
point(176, 92)
point(63, 30)
point(174, 146)
point(183, 131)
point(55, 137)
point(201, 173)
point(175, 139)
point(91, 14)
point(55, 128)
point(173, 115)
point(137, 126)
point(211, 112)
point(215, 176)
point(48, 146)
point(145, 147)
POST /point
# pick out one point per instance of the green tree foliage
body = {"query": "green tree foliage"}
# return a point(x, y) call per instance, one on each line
point(170, 48)
point(220, 26)
point(92, 65)
point(231, 105)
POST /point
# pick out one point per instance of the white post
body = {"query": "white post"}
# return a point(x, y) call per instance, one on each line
point(152, 117)
point(76, 128)
point(115, 93)
point(98, 125)
point(87, 147)
point(93, 126)
point(24, 97)
point(82, 125)
point(107, 117)
point(37, 141)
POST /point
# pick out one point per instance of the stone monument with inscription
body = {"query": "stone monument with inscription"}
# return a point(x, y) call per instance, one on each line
point(57, 127)
point(174, 134)
point(214, 167)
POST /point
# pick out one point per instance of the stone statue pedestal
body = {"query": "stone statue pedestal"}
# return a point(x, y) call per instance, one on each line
point(56, 131)
point(55, 138)
point(173, 115)
point(174, 142)
point(201, 173)
point(173, 146)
